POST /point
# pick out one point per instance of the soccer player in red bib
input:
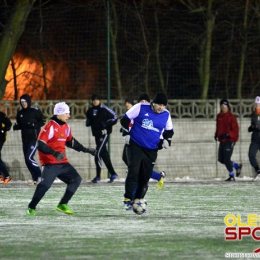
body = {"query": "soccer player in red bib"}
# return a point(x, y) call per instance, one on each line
point(52, 140)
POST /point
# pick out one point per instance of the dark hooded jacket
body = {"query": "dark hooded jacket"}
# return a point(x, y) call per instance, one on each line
point(5, 125)
point(99, 118)
point(255, 127)
point(29, 120)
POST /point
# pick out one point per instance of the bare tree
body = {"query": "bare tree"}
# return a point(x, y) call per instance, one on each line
point(15, 79)
point(210, 21)
point(45, 88)
point(205, 46)
point(11, 34)
point(113, 29)
point(243, 52)
point(157, 51)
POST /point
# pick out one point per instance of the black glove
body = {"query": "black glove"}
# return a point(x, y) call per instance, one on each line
point(92, 151)
point(160, 145)
point(224, 136)
point(215, 137)
point(59, 156)
point(16, 127)
point(251, 128)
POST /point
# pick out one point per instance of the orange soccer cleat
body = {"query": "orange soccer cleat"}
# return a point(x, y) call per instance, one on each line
point(6, 180)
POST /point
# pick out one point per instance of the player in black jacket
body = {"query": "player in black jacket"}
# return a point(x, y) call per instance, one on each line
point(5, 125)
point(101, 119)
point(29, 120)
point(255, 138)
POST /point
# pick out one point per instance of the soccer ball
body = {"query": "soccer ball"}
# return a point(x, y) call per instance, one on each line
point(139, 206)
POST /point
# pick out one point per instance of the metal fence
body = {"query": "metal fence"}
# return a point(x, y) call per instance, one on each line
point(193, 152)
point(179, 109)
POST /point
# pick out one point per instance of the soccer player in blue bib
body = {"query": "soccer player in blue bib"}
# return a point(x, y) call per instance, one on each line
point(151, 122)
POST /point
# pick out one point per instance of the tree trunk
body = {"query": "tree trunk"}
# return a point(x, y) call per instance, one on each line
point(157, 53)
point(45, 88)
point(243, 54)
point(147, 50)
point(11, 35)
point(113, 34)
point(207, 50)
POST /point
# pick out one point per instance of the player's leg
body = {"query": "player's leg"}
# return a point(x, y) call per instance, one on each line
point(70, 176)
point(253, 149)
point(5, 177)
point(159, 176)
point(227, 153)
point(49, 173)
point(220, 153)
point(134, 155)
point(106, 158)
point(29, 150)
point(145, 171)
point(98, 159)
point(156, 175)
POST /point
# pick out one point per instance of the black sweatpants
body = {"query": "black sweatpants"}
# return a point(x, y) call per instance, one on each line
point(140, 166)
point(29, 150)
point(3, 168)
point(102, 154)
point(253, 149)
point(225, 151)
point(66, 173)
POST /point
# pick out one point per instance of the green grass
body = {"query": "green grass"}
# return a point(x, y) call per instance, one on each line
point(183, 221)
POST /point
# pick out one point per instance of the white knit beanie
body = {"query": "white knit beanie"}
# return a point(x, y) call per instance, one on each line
point(257, 100)
point(61, 108)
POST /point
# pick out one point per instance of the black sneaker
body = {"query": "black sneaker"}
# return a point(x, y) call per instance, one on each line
point(238, 170)
point(112, 178)
point(230, 178)
point(96, 180)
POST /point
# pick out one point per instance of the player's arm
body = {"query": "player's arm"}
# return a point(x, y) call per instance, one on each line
point(44, 148)
point(167, 135)
point(88, 118)
point(166, 139)
point(125, 121)
point(38, 119)
point(168, 131)
point(77, 146)
point(17, 125)
point(131, 114)
point(234, 128)
point(6, 124)
point(112, 118)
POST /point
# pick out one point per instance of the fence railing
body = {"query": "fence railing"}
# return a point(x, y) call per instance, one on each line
point(179, 109)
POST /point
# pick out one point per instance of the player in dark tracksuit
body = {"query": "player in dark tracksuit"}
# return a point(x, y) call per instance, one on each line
point(255, 137)
point(29, 120)
point(5, 125)
point(101, 119)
